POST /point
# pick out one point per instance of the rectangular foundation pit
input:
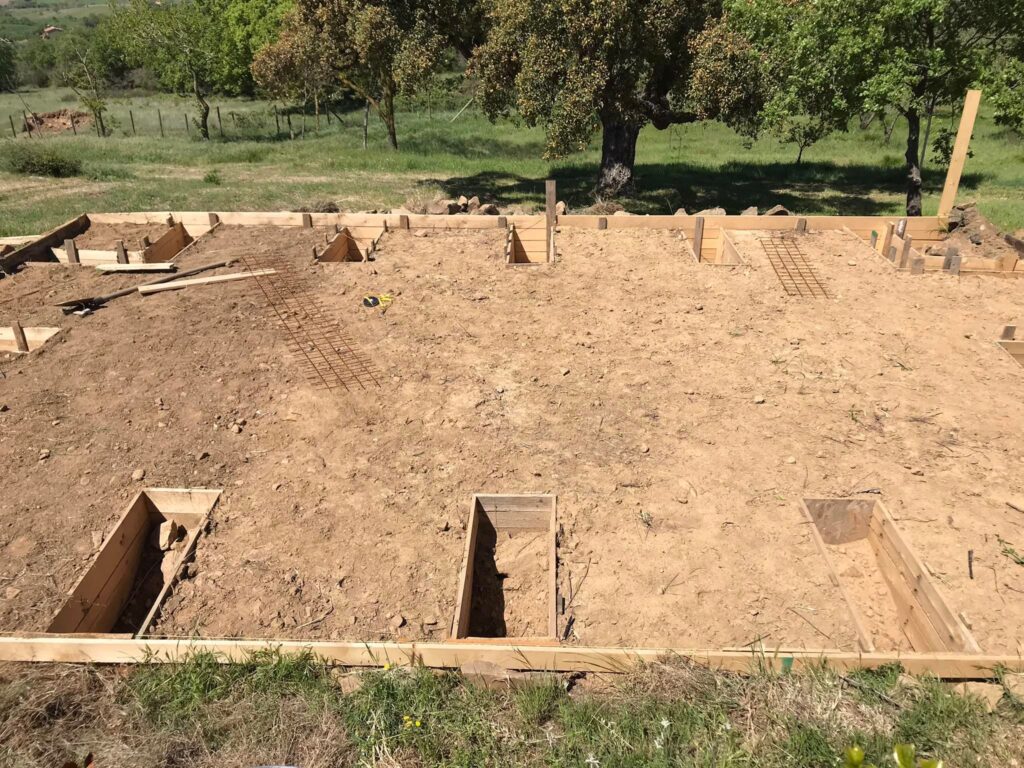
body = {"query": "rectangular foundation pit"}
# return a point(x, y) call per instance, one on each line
point(138, 563)
point(891, 597)
point(508, 582)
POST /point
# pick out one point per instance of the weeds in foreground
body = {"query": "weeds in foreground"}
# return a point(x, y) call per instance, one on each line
point(275, 709)
point(39, 159)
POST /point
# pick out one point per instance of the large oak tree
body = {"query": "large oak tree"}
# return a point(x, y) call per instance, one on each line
point(783, 65)
point(580, 66)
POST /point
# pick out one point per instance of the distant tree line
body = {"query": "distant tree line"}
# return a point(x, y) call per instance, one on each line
point(577, 68)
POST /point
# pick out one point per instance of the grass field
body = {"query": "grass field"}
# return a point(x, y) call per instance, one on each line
point(22, 19)
point(695, 166)
point(276, 711)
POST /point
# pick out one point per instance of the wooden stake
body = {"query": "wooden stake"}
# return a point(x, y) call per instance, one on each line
point(502, 222)
point(801, 225)
point(698, 236)
point(963, 141)
point(122, 252)
point(277, 122)
point(214, 219)
point(887, 239)
point(72, 249)
point(874, 239)
point(550, 201)
point(188, 129)
point(160, 119)
point(220, 125)
point(1009, 331)
point(19, 336)
point(602, 223)
point(307, 221)
point(131, 117)
point(905, 254)
point(74, 130)
point(901, 228)
point(954, 264)
point(403, 221)
point(14, 131)
point(28, 125)
point(917, 265)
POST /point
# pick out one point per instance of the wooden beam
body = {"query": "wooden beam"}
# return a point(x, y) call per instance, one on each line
point(72, 251)
point(1009, 331)
point(956, 163)
point(19, 337)
point(452, 655)
point(40, 248)
point(698, 236)
point(122, 252)
point(145, 290)
point(550, 202)
point(151, 267)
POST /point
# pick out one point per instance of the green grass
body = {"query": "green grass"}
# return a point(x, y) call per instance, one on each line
point(695, 166)
point(293, 711)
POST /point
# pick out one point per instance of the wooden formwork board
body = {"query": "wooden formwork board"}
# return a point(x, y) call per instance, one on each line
point(343, 247)
point(454, 655)
point(925, 619)
point(98, 599)
point(504, 513)
point(1014, 349)
point(35, 337)
point(41, 247)
point(527, 242)
point(903, 255)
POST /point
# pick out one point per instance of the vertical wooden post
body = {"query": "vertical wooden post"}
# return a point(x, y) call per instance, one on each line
point(1009, 331)
point(170, 221)
point(954, 264)
point(307, 220)
point(188, 128)
point(160, 119)
point(74, 130)
point(963, 142)
point(874, 240)
point(602, 223)
point(122, 253)
point(14, 131)
point(698, 236)
point(887, 239)
point(403, 221)
point(19, 336)
point(550, 195)
point(214, 219)
point(277, 122)
point(72, 249)
point(917, 265)
point(131, 116)
point(288, 119)
point(801, 225)
point(99, 133)
point(891, 254)
point(901, 228)
point(220, 125)
point(905, 253)
point(28, 125)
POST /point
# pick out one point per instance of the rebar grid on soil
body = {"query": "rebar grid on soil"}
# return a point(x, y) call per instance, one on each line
point(796, 274)
point(327, 356)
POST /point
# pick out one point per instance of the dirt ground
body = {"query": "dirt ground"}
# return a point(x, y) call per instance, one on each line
point(679, 411)
point(104, 237)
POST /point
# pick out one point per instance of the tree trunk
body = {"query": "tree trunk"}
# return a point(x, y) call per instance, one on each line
point(618, 156)
point(204, 109)
point(913, 162)
point(387, 114)
point(366, 123)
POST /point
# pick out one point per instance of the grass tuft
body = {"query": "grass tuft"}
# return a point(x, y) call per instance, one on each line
point(39, 158)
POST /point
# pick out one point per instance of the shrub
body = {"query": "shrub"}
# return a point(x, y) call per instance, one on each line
point(40, 159)
point(212, 177)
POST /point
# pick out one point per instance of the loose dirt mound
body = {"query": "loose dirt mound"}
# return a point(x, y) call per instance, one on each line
point(57, 122)
point(975, 236)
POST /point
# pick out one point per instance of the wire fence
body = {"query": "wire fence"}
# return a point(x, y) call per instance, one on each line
point(261, 121)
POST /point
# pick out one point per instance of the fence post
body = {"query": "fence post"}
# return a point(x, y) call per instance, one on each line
point(160, 119)
point(277, 121)
point(14, 131)
point(74, 130)
point(131, 116)
point(95, 119)
point(187, 129)
point(220, 125)
point(28, 125)
point(288, 119)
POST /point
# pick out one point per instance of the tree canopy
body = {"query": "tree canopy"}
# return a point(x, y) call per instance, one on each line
point(380, 48)
point(792, 67)
point(580, 66)
point(186, 44)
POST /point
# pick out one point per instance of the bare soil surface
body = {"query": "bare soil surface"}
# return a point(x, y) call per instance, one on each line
point(679, 411)
point(104, 237)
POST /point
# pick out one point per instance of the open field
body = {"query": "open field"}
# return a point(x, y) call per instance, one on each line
point(21, 19)
point(696, 166)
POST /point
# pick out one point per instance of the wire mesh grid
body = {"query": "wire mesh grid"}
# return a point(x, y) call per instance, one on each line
point(325, 353)
point(795, 272)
